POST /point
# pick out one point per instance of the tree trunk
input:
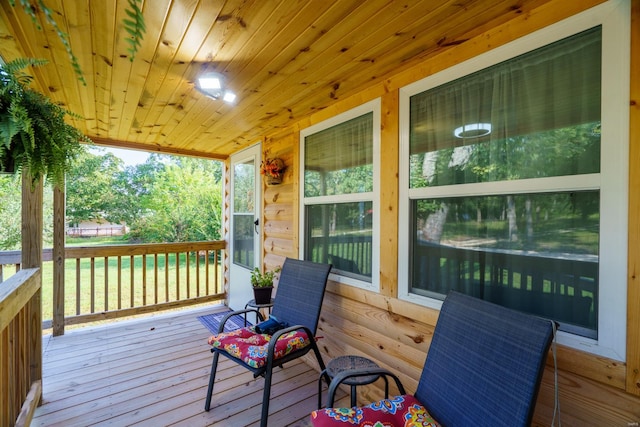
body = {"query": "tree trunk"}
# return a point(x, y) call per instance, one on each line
point(511, 217)
point(529, 216)
point(434, 226)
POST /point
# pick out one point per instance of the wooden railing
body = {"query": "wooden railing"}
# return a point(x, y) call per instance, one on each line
point(106, 282)
point(20, 347)
point(348, 253)
point(562, 288)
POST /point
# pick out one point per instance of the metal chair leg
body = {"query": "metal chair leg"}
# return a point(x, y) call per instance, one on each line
point(212, 378)
point(320, 378)
point(265, 397)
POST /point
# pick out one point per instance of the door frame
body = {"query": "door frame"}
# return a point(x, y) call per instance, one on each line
point(239, 275)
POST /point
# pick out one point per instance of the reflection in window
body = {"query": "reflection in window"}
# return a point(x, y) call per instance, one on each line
point(534, 252)
point(340, 233)
point(535, 117)
point(339, 195)
point(339, 160)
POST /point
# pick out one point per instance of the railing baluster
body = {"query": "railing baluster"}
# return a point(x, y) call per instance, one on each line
point(93, 285)
point(177, 275)
point(188, 264)
point(144, 280)
point(106, 283)
point(197, 273)
point(78, 286)
point(119, 282)
point(131, 281)
point(217, 271)
point(206, 271)
point(166, 277)
point(155, 277)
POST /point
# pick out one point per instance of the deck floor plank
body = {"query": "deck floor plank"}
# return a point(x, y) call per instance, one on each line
point(154, 372)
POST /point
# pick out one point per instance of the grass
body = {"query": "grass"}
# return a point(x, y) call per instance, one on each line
point(557, 235)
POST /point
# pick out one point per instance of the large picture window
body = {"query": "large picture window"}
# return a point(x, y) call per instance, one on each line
point(509, 163)
point(339, 195)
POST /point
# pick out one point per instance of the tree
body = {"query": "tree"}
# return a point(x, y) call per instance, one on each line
point(10, 207)
point(10, 213)
point(183, 203)
point(89, 189)
point(132, 185)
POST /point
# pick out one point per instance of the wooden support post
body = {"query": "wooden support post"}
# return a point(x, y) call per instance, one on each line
point(58, 260)
point(633, 280)
point(32, 195)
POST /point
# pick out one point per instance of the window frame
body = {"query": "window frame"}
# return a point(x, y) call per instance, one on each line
point(373, 196)
point(612, 181)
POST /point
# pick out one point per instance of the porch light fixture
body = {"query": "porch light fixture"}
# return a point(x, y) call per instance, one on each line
point(212, 85)
point(472, 130)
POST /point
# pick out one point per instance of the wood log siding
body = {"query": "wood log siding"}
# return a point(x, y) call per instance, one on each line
point(395, 333)
point(141, 291)
point(20, 386)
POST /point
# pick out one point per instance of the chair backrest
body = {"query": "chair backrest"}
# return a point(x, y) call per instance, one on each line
point(484, 365)
point(300, 292)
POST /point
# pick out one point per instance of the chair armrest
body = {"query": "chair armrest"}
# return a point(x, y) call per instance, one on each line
point(338, 379)
point(275, 337)
point(288, 329)
point(238, 312)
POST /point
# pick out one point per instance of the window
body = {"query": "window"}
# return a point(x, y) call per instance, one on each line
point(511, 171)
point(339, 194)
point(243, 214)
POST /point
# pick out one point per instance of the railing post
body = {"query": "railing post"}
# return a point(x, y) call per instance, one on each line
point(32, 196)
point(58, 260)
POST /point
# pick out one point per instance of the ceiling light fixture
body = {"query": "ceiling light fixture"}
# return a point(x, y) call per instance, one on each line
point(212, 85)
point(473, 130)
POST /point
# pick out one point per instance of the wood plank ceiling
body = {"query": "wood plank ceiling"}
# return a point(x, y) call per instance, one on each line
point(284, 59)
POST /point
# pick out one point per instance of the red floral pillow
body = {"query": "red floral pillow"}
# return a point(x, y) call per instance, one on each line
point(250, 347)
point(399, 411)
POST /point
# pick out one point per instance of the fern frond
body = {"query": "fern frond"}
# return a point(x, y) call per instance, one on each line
point(135, 27)
point(64, 37)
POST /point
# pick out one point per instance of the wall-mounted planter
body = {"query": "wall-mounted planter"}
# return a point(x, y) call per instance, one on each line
point(272, 169)
point(273, 180)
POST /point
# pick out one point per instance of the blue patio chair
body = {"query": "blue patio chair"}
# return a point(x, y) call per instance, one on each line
point(484, 367)
point(295, 313)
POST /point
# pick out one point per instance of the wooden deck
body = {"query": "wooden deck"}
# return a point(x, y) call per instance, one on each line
point(154, 372)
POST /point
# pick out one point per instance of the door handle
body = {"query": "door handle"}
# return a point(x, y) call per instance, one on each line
point(256, 223)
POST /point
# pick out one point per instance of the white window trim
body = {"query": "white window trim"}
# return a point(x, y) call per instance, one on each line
point(373, 196)
point(614, 16)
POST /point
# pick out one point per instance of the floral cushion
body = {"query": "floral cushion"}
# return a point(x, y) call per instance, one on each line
point(250, 347)
point(399, 411)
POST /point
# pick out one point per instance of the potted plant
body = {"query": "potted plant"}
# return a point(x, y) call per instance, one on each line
point(272, 169)
point(33, 133)
point(262, 284)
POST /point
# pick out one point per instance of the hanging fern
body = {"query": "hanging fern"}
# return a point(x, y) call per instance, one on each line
point(33, 131)
point(135, 27)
